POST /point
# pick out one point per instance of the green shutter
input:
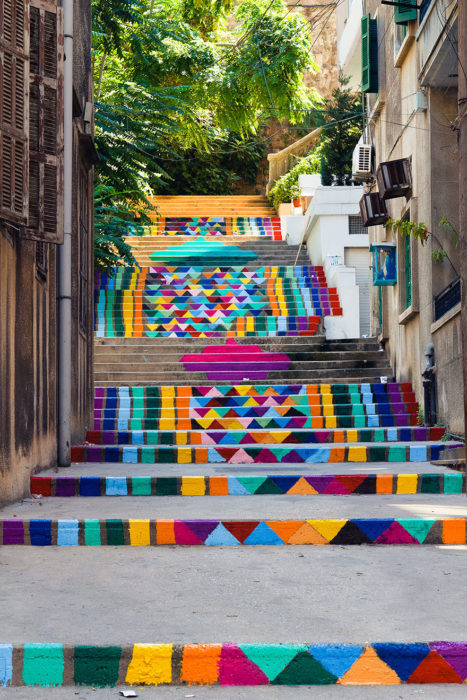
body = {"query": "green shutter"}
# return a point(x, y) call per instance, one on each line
point(408, 272)
point(369, 55)
point(403, 14)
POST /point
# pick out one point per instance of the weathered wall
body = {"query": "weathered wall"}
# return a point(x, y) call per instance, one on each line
point(28, 324)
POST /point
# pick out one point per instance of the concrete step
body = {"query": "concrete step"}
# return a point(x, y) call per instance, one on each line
point(326, 376)
point(119, 354)
point(284, 343)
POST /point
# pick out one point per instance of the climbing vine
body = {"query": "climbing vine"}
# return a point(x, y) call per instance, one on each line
point(420, 232)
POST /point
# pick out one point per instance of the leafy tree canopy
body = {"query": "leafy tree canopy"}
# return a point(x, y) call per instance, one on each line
point(180, 82)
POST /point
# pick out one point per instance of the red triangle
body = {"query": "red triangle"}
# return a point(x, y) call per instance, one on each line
point(434, 669)
point(265, 456)
point(351, 482)
point(241, 529)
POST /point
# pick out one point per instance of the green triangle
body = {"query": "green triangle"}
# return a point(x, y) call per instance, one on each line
point(269, 487)
point(417, 528)
point(271, 659)
point(251, 483)
point(304, 670)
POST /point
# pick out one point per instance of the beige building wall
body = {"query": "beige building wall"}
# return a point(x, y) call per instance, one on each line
point(411, 117)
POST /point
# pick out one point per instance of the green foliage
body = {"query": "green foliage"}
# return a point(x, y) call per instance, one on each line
point(286, 187)
point(418, 230)
point(339, 139)
point(177, 111)
point(112, 218)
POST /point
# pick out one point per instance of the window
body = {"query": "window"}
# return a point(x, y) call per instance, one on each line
point(425, 4)
point(356, 226)
point(408, 270)
point(31, 99)
point(400, 32)
point(42, 261)
point(447, 299)
point(369, 54)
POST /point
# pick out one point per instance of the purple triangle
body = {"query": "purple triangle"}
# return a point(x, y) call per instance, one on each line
point(455, 653)
point(319, 483)
point(201, 528)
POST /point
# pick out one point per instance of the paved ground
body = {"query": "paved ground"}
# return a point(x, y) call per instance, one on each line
point(106, 595)
point(412, 692)
point(118, 469)
point(237, 508)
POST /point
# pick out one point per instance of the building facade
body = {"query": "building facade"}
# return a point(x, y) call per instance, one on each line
point(31, 232)
point(405, 60)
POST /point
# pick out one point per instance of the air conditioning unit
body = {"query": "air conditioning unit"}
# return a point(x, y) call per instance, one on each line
point(362, 161)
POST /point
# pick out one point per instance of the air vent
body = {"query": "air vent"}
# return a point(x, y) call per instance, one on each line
point(394, 178)
point(373, 209)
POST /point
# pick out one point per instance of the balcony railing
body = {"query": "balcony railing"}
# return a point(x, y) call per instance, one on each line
point(447, 299)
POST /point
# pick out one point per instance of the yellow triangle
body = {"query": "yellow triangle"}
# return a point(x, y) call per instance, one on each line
point(369, 670)
point(243, 390)
point(328, 528)
point(250, 402)
point(280, 436)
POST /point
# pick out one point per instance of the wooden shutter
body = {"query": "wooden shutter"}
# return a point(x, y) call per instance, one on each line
point(369, 54)
point(45, 221)
point(14, 45)
point(404, 14)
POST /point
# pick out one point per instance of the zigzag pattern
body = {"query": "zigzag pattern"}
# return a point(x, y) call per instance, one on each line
point(187, 301)
point(260, 226)
point(233, 664)
point(247, 485)
point(259, 455)
point(146, 532)
point(256, 407)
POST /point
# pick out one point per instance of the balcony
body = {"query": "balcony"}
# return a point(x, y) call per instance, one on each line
point(348, 45)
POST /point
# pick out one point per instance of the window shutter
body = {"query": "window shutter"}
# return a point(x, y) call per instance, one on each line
point(14, 45)
point(403, 14)
point(45, 221)
point(369, 54)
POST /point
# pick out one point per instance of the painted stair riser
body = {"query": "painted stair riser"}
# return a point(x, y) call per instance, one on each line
point(270, 437)
point(254, 455)
point(172, 422)
point(149, 532)
point(242, 390)
point(233, 665)
point(306, 485)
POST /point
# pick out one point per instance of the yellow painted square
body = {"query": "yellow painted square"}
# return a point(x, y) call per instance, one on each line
point(184, 455)
point(139, 532)
point(181, 438)
point(331, 422)
point(407, 483)
point(167, 391)
point(327, 410)
point(167, 402)
point(325, 388)
point(357, 454)
point(193, 486)
point(326, 399)
point(352, 436)
point(151, 664)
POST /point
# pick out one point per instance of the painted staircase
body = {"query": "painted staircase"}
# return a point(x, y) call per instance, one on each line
point(316, 449)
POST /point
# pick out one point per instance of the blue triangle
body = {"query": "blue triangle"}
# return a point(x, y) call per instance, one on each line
point(336, 658)
point(285, 482)
point(262, 534)
point(221, 536)
point(236, 488)
point(373, 528)
point(403, 658)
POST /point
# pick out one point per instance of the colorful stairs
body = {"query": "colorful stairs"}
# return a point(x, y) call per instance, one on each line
point(130, 524)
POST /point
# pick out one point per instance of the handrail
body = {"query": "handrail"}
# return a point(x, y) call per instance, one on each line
point(306, 233)
point(280, 162)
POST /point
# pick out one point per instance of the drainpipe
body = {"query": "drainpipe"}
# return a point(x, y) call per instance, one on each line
point(64, 253)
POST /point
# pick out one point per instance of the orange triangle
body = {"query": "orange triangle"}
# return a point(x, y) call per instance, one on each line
point(307, 535)
point(284, 528)
point(302, 488)
point(434, 669)
point(369, 670)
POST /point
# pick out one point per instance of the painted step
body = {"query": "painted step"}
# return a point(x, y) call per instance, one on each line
point(43, 532)
point(269, 437)
point(246, 485)
point(234, 665)
point(248, 454)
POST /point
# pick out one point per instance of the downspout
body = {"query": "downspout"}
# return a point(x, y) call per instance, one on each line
point(64, 253)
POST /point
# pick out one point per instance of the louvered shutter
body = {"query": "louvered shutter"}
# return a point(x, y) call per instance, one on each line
point(404, 14)
point(45, 222)
point(14, 45)
point(369, 54)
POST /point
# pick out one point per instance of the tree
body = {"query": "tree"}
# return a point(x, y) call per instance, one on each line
point(339, 139)
point(169, 92)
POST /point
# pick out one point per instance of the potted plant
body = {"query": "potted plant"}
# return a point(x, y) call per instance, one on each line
point(295, 194)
